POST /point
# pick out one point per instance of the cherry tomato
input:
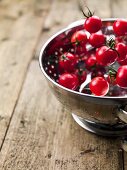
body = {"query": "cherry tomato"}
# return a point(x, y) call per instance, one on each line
point(90, 61)
point(123, 62)
point(79, 37)
point(69, 81)
point(99, 86)
point(121, 48)
point(98, 71)
point(97, 39)
point(106, 56)
point(81, 49)
point(120, 27)
point(81, 74)
point(93, 24)
point(67, 61)
point(118, 39)
point(121, 77)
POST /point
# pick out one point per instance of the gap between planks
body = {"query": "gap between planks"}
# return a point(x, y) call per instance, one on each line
point(43, 135)
point(17, 45)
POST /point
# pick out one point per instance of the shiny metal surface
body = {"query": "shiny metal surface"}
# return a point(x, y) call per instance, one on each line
point(102, 129)
point(97, 109)
point(122, 114)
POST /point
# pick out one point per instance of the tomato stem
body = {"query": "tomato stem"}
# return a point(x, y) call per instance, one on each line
point(112, 72)
point(111, 44)
point(90, 14)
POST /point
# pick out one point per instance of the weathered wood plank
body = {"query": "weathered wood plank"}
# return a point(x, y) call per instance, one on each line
point(119, 9)
point(62, 13)
point(33, 126)
point(125, 160)
point(18, 40)
point(44, 136)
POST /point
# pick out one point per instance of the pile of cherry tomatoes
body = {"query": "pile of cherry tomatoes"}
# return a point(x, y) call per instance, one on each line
point(98, 63)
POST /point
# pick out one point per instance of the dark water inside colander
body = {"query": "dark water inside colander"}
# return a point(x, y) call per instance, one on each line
point(62, 43)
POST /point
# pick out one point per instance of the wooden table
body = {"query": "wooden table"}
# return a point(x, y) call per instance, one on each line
point(36, 132)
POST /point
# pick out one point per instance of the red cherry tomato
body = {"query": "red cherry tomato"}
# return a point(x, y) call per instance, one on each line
point(79, 37)
point(121, 48)
point(120, 27)
point(97, 39)
point(69, 81)
point(121, 77)
point(98, 71)
point(99, 86)
point(106, 56)
point(123, 62)
point(90, 61)
point(81, 74)
point(81, 49)
point(67, 61)
point(119, 39)
point(93, 24)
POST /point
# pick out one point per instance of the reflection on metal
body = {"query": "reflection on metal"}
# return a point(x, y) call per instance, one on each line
point(122, 114)
point(124, 144)
point(94, 113)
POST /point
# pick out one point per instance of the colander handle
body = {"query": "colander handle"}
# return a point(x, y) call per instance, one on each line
point(122, 114)
point(124, 144)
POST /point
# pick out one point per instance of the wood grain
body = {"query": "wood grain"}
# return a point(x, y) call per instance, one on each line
point(62, 13)
point(43, 135)
point(125, 160)
point(18, 40)
point(119, 9)
point(36, 132)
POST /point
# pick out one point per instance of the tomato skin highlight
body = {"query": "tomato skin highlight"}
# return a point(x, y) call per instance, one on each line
point(79, 37)
point(120, 27)
point(69, 81)
point(123, 62)
point(121, 77)
point(106, 56)
point(90, 61)
point(67, 62)
point(121, 49)
point(93, 24)
point(97, 39)
point(81, 74)
point(99, 86)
